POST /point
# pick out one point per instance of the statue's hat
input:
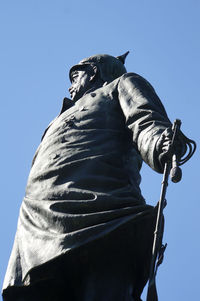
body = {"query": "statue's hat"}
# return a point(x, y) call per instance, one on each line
point(109, 67)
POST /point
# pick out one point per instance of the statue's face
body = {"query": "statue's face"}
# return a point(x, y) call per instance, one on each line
point(81, 81)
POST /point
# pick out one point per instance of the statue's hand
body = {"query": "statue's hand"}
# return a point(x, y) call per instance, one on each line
point(165, 147)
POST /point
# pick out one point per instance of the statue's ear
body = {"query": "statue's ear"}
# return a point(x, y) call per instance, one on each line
point(95, 71)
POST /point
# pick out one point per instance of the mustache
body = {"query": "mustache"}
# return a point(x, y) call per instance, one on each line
point(72, 91)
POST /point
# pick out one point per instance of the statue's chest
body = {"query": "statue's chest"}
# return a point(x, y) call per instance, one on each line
point(96, 110)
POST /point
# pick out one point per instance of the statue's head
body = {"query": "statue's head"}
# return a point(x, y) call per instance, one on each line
point(94, 72)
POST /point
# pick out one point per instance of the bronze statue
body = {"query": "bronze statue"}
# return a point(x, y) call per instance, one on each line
point(85, 231)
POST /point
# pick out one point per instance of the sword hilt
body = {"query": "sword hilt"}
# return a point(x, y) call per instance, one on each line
point(176, 172)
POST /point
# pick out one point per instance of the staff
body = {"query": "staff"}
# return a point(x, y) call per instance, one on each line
point(172, 165)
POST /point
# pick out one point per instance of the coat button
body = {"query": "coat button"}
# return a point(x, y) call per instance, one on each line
point(55, 156)
point(64, 139)
point(70, 122)
point(81, 108)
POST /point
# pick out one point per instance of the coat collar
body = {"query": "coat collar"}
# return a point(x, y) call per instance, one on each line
point(67, 104)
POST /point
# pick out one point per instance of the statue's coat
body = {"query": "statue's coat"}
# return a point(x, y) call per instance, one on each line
point(84, 181)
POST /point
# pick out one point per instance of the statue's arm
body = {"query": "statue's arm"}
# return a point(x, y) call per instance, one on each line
point(145, 116)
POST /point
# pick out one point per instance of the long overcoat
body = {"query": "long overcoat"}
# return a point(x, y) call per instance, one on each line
point(85, 177)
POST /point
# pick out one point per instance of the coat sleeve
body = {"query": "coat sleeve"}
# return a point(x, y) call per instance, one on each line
point(145, 116)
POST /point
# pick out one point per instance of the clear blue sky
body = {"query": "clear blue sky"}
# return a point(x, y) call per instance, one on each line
point(40, 40)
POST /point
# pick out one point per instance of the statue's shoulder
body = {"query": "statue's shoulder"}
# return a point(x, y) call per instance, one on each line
point(131, 75)
point(134, 79)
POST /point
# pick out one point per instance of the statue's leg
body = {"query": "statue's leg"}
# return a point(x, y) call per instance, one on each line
point(109, 278)
point(114, 268)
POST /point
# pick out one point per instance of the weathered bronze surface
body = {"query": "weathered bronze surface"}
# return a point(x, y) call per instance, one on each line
point(84, 228)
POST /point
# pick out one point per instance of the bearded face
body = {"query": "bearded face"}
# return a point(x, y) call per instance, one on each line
point(81, 81)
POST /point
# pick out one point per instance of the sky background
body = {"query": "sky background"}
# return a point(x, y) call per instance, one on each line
point(41, 40)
